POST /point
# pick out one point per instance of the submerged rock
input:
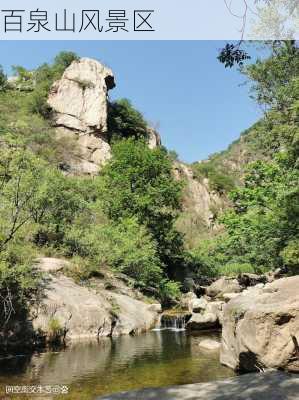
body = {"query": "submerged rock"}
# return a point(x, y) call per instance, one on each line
point(209, 344)
point(261, 328)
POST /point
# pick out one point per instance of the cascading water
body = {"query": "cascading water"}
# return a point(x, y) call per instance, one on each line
point(173, 322)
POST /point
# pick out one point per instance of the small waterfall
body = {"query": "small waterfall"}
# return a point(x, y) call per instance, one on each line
point(173, 322)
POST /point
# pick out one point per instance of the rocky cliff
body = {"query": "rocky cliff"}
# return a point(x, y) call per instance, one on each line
point(79, 104)
point(201, 205)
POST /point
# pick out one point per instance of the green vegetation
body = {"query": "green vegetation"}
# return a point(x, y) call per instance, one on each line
point(3, 80)
point(125, 218)
point(138, 182)
point(86, 219)
point(261, 229)
point(124, 121)
point(56, 331)
point(219, 181)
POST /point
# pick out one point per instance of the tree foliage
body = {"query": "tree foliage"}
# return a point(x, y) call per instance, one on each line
point(3, 79)
point(125, 121)
point(262, 227)
point(138, 183)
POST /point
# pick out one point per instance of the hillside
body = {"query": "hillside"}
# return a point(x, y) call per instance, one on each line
point(87, 180)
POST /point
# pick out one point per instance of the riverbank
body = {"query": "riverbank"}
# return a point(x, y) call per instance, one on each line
point(272, 385)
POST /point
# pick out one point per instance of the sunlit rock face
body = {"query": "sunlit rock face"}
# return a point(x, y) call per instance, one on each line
point(260, 327)
point(79, 104)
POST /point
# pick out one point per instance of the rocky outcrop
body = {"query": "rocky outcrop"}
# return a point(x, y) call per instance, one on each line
point(261, 327)
point(154, 139)
point(83, 312)
point(79, 104)
point(201, 205)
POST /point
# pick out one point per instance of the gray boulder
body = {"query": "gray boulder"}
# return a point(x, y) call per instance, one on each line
point(203, 321)
point(186, 300)
point(198, 305)
point(81, 312)
point(261, 328)
point(223, 285)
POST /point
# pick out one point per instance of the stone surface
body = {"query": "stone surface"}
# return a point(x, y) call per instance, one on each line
point(216, 307)
point(79, 104)
point(209, 344)
point(186, 300)
point(51, 264)
point(198, 305)
point(155, 307)
point(203, 321)
point(229, 296)
point(199, 202)
point(154, 139)
point(246, 279)
point(261, 327)
point(223, 285)
point(79, 98)
point(88, 313)
point(270, 385)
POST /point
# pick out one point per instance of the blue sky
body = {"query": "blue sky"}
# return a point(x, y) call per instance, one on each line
point(198, 106)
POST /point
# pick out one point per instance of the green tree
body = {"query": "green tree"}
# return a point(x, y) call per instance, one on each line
point(124, 246)
point(261, 229)
point(3, 79)
point(44, 77)
point(124, 121)
point(138, 182)
point(274, 78)
point(20, 176)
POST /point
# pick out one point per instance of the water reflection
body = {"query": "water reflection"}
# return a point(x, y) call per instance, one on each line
point(154, 359)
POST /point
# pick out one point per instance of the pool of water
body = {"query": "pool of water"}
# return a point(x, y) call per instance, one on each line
point(155, 359)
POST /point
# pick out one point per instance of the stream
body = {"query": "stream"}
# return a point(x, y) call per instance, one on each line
point(162, 357)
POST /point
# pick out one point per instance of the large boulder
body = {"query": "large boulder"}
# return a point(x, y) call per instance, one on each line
point(261, 328)
point(82, 312)
point(198, 305)
point(186, 300)
point(79, 98)
point(79, 104)
point(203, 321)
point(223, 285)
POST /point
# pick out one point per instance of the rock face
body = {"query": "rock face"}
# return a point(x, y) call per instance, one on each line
point(222, 286)
point(82, 312)
point(154, 139)
point(261, 327)
point(201, 205)
point(79, 104)
point(208, 317)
